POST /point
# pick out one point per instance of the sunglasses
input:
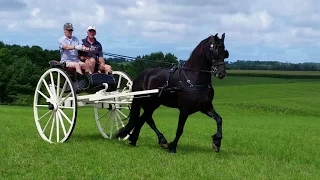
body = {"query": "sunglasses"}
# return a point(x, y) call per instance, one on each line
point(69, 30)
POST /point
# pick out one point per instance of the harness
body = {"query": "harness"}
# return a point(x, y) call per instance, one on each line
point(182, 88)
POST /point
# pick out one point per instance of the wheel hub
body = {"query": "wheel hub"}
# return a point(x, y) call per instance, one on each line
point(53, 107)
point(112, 107)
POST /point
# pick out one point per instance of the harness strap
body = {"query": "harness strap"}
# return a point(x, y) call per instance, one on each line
point(196, 87)
point(166, 84)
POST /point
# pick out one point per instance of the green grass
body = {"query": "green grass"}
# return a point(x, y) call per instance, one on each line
point(270, 131)
point(275, 73)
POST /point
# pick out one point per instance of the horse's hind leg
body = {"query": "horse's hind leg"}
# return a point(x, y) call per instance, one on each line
point(162, 140)
point(216, 138)
point(147, 114)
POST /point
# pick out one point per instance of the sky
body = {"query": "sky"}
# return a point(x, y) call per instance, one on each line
point(275, 30)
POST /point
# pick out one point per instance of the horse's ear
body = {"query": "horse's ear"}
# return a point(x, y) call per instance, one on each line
point(216, 35)
point(223, 36)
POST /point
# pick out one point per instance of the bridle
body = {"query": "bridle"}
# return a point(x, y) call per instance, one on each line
point(215, 64)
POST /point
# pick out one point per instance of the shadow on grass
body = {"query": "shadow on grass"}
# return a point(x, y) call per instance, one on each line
point(88, 137)
point(187, 149)
point(150, 143)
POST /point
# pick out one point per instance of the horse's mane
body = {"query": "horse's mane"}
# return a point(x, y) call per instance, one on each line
point(200, 47)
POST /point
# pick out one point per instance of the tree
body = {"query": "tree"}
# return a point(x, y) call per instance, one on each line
point(154, 60)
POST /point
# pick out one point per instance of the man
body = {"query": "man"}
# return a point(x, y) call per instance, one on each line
point(69, 46)
point(95, 52)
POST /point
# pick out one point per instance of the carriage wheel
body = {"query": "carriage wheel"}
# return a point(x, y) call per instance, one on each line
point(123, 81)
point(110, 117)
point(113, 114)
point(55, 106)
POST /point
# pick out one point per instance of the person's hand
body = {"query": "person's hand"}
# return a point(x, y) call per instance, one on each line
point(108, 68)
point(92, 48)
point(86, 49)
point(78, 47)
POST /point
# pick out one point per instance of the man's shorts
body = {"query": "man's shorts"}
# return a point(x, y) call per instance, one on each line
point(74, 63)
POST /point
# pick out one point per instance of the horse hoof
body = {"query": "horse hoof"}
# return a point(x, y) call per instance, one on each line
point(172, 151)
point(215, 148)
point(164, 146)
point(133, 144)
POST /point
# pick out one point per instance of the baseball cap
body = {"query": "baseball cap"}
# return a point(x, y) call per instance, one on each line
point(91, 28)
point(67, 26)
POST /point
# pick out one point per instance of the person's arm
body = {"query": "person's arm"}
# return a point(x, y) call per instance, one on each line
point(100, 54)
point(63, 45)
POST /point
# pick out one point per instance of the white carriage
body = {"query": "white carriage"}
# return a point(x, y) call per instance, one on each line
point(56, 102)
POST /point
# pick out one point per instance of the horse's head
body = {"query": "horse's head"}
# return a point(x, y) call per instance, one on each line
point(215, 53)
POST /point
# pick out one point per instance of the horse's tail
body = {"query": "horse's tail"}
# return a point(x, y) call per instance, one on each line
point(133, 119)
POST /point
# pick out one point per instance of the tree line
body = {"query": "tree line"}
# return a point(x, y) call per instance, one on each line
point(273, 65)
point(22, 66)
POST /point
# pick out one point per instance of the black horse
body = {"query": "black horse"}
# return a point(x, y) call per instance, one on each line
point(188, 88)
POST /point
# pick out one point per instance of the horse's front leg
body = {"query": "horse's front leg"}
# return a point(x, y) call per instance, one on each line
point(216, 138)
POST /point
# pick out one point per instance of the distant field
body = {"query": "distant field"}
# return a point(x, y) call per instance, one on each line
point(274, 73)
point(271, 130)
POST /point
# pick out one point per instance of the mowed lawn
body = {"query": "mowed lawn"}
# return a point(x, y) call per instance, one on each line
point(271, 130)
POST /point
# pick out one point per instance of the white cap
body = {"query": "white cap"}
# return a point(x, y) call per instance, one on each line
point(91, 27)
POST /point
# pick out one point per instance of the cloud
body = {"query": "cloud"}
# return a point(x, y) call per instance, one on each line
point(255, 21)
point(253, 28)
point(12, 5)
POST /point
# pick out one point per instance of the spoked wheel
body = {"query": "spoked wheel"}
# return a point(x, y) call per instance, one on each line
point(55, 106)
point(113, 114)
point(123, 81)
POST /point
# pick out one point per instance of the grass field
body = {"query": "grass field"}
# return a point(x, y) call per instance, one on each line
point(276, 73)
point(271, 130)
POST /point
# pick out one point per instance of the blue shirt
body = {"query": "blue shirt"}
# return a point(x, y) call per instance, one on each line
point(96, 48)
point(69, 55)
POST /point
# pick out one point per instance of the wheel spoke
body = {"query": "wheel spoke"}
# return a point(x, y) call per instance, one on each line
point(45, 127)
point(46, 106)
point(44, 115)
point(105, 125)
point(53, 87)
point(65, 98)
point(122, 113)
point(47, 87)
point(62, 124)
point(48, 99)
point(53, 121)
point(57, 123)
point(65, 116)
point(58, 87)
point(124, 107)
point(111, 123)
point(63, 89)
point(65, 107)
point(103, 115)
point(119, 119)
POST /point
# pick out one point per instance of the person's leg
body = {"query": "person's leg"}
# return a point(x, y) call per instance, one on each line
point(104, 67)
point(91, 62)
point(84, 66)
point(75, 65)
